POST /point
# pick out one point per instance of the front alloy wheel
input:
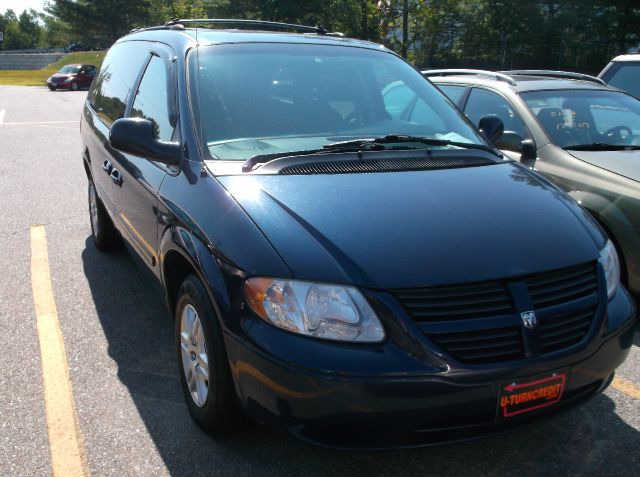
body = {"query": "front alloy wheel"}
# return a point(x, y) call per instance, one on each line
point(204, 367)
point(195, 363)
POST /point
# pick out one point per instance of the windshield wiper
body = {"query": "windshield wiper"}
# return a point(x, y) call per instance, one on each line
point(367, 144)
point(602, 146)
point(250, 163)
point(378, 143)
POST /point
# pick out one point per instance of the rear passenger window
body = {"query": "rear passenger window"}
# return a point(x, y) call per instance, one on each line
point(454, 93)
point(111, 88)
point(482, 102)
point(151, 101)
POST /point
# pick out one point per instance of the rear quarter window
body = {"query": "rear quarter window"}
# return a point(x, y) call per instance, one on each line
point(117, 77)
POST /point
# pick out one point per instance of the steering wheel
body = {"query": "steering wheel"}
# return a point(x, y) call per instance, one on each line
point(622, 133)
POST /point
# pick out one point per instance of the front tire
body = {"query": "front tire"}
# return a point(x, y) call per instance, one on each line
point(105, 235)
point(202, 360)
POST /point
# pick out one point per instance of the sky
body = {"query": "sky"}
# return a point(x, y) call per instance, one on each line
point(18, 6)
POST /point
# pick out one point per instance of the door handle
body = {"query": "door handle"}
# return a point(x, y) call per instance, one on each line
point(116, 177)
point(107, 166)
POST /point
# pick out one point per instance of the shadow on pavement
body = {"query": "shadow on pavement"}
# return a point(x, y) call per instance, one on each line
point(590, 440)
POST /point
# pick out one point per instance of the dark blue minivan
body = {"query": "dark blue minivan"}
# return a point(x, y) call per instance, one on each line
point(344, 254)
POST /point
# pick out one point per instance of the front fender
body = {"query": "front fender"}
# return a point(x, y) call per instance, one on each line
point(613, 218)
point(208, 268)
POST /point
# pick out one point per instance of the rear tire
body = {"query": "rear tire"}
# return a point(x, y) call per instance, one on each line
point(74, 86)
point(104, 233)
point(202, 361)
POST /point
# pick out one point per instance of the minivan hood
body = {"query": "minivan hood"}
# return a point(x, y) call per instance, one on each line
point(407, 229)
point(624, 163)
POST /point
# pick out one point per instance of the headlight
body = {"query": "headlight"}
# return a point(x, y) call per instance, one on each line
point(611, 265)
point(332, 312)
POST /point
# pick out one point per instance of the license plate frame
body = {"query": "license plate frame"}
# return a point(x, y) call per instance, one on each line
point(521, 396)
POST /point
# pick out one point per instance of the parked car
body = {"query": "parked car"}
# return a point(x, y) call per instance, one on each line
point(73, 47)
point(579, 133)
point(356, 278)
point(72, 77)
point(623, 72)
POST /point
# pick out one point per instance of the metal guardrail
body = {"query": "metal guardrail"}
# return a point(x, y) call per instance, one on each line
point(35, 51)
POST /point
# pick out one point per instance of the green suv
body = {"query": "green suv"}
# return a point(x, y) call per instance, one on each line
point(574, 129)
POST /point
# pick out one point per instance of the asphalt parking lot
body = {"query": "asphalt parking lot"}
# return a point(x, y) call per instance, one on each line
point(131, 419)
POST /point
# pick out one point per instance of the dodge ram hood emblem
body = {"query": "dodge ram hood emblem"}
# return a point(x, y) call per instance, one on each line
point(529, 319)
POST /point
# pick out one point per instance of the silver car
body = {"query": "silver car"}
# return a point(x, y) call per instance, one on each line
point(578, 132)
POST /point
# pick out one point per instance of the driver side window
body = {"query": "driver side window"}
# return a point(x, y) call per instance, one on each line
point(482, 102)
point(151, 100)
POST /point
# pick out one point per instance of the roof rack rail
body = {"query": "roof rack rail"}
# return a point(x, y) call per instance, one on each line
point(460, 72)
point(261, 24)
point(555, 74)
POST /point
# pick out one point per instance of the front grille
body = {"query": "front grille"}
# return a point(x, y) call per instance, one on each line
point(554, 288)
point(561, 331)
point(456, 302)
point(480, 323)
point(483, 346)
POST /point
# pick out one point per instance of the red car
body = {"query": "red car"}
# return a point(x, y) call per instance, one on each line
point(72, 77)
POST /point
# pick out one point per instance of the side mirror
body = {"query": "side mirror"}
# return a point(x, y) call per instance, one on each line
point(492, 127)
point(510, 141)
point(136, 136)
point(528, 152)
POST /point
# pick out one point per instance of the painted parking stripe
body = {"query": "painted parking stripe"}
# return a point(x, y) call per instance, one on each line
point(35, 123)
point(1, 116)
point(626, 387)
point(65, 441)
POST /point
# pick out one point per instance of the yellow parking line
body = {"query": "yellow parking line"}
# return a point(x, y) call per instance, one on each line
point(65, 440)
point(626, 387)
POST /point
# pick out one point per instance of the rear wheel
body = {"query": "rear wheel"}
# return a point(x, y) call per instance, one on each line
point(105, 235)
point(74, 86)
point(204, 369)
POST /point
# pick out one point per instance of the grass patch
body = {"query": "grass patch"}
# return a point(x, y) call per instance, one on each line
point(39, 77)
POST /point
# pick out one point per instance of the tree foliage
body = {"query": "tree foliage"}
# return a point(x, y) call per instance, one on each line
point(499, 34)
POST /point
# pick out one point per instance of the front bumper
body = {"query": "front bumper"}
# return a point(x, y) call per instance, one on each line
point(383, 408)
point(58, 85)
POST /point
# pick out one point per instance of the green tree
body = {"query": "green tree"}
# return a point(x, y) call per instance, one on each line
point(106, 20)
point(55, 32)
point(164, 10)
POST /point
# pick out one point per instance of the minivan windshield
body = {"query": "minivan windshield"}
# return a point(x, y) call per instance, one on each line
point(69, 69)
point(587, 119)
point(270, 98)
